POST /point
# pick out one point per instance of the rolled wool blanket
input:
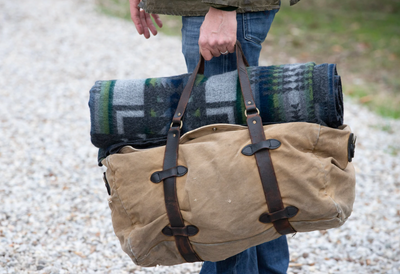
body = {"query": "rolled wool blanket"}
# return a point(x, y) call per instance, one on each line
point(139, 112)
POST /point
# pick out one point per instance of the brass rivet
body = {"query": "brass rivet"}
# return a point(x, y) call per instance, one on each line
point(179, 114)
point(249, 102)
point(254, 122)
point(174, 135)
point(215, 129)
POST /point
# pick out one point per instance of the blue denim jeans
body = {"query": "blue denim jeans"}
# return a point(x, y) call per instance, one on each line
point(271, 257)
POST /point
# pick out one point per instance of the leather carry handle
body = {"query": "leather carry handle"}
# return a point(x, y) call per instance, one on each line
point(185, 96)
point(263, 159)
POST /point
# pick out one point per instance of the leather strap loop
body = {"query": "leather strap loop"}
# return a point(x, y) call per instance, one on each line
point(186, 231)
point(267, 144)
point(159, 176)
point(286, 213)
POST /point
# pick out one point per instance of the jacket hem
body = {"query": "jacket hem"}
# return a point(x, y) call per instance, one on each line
point(203, 12)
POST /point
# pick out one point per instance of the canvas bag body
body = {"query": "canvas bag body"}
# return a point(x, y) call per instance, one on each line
point(221, 194)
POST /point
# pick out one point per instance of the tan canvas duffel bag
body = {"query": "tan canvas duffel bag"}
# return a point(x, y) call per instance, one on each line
point(222, 188)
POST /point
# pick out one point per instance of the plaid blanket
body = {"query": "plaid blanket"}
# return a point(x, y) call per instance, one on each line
point(139, 112)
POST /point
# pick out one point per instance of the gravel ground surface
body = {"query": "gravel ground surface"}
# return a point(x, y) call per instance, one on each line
point(54, 216)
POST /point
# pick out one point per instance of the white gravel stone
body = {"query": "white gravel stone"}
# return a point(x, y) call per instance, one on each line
point(54, 216)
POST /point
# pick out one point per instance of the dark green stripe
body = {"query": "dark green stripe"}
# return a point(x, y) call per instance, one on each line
point(110, 107)
point(104, 97)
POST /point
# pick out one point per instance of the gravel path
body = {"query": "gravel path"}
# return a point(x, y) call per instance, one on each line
point(54, 216)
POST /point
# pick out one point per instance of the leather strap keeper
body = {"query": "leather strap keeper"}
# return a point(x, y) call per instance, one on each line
point(186, 231)
point(286, 213)
point(267, 144)
point(159, 176)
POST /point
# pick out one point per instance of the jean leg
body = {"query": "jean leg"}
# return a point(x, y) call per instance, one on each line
point(252, 32)
point(273, 256)
point(242, 263)
point(222, 267)
point(267, 258)
point(190, 38)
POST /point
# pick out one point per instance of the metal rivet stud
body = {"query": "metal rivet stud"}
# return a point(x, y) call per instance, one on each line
point(249, 102)
point(254, 122)
point(215, 129)
point(179, 114)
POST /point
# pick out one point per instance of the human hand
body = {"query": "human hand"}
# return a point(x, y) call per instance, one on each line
point(217, 33)
point(142, 20)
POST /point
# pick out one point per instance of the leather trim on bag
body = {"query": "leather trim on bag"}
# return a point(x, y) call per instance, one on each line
point(106, 184)
point(159, 176)
point(287, 212)
point(351, 147)
point(267, 144)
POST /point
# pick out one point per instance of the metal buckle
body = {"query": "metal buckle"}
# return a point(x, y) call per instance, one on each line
point(245, 112)
point(179, 126)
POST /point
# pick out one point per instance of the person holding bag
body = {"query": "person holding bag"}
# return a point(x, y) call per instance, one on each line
point(212, 28)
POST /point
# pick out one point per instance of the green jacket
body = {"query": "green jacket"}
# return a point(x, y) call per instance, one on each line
point(201, 7)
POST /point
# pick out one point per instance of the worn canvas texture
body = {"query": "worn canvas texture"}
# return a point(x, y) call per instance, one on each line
point(139, 112)
point(222, 194)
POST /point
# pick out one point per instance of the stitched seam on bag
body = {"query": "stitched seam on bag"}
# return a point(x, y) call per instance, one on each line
point(323, 171)
point(144, 257)
point(325, 176)
point(131, 250)
point(338, 209)
point(126, 212)
point(317, 158)
point(234, 241)
point(316, 142)
point(115, 187)
point(140, 259)
point(191, 241)
point(110, 166)
point(319, 220)
point(122, 204)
